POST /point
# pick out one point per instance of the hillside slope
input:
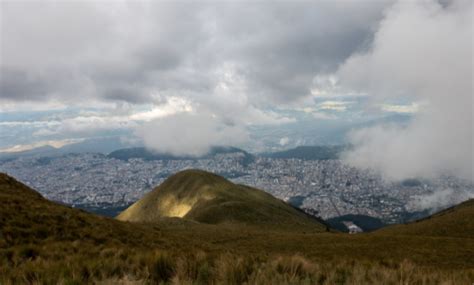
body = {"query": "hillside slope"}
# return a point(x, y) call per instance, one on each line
point(456, 221)
point(42, 242)
point(28, 218)
point(208, 198)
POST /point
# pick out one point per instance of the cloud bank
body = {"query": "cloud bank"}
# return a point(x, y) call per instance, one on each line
point(234, 61)
point(221, 67)
point(190, 134)
point(422, 51)
point(439, 200)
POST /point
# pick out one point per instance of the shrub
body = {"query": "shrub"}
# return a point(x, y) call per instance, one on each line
point(204, 274)
point(295, 267)
point(235, 269)
point(161, 269)
point(28, 252)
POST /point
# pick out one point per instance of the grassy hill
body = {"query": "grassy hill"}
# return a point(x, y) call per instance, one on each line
point(456, 221)
point(208, 198)
point(42, 242)
point(28, 218)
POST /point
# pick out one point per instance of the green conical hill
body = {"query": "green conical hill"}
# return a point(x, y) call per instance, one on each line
point(208, 198)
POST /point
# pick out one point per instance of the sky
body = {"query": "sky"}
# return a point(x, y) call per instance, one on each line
point(392, 78)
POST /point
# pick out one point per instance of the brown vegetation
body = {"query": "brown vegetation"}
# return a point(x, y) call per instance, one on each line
point(42, 242)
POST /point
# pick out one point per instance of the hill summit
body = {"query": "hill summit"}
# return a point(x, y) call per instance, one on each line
point(208, 198)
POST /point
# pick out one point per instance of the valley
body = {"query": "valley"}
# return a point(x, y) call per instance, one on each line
point(327, 188)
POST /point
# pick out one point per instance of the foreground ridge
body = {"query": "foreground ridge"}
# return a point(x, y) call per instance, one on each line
point(42, 242)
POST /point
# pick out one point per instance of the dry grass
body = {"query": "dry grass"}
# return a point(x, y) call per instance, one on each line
point(45, 243)
point(199, 268)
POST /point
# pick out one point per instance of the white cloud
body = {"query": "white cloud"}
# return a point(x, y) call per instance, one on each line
point(28, 123)
point(325, 86)
point(52, 143)
point(439, 199)
point(334, 105)
point(422, 51)
point(44, 132)
point(190, 134)
point(284, 141)
point(254, 116)
point(323, 116)
point(173, 106)
point(50, 105)
point(326, 110)
point(404, 109)
point(236, 61)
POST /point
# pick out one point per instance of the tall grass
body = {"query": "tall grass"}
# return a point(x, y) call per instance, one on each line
point(122, 266)
point(45, 243)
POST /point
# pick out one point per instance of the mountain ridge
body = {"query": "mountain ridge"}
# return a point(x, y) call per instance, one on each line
point(147, 154)
point(308, 152)
point(208, 198)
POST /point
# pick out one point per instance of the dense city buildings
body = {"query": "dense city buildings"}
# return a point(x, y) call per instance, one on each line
point(328, 188)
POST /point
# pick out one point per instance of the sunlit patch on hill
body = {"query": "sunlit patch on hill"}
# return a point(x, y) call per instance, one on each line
point(208, 198)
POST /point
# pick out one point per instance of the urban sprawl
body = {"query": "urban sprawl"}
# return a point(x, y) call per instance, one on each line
point(327, 188)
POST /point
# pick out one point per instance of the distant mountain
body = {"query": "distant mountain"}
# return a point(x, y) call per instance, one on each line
point(93, 145)
point(143, 153)
point(456, 221)
point(208, 198)
point(40, 151)
point(366, 223)
point(139, 152)
point(102, 145)
point(308, 153)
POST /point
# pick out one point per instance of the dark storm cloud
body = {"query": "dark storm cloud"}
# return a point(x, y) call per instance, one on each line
point(130, 51)
point(18, 85)
point(283, 46)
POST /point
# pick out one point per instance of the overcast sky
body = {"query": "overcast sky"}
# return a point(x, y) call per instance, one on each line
point(182, 76)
